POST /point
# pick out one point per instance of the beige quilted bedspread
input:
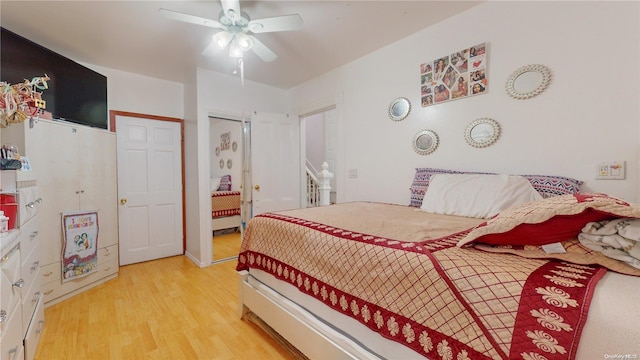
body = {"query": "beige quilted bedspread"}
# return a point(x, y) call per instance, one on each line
point(397, 271)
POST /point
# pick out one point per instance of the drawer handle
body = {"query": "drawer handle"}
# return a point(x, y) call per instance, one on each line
point(19, 283)
point(107, 269)
point(39, 200)
point(33, 234)
point(48, 292)
point(31, 205)
point(48, 274)
point(35, 265)
point(3, 316)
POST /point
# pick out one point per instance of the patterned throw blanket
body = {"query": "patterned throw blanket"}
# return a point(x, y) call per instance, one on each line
point(422, 291)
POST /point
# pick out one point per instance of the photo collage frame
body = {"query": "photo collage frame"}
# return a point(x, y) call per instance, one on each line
point(455, 76)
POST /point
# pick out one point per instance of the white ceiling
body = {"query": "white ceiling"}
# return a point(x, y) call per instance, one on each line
point(132, 36)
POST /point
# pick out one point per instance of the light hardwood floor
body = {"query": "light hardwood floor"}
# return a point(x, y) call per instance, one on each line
point(226, 245)
point(161, 309)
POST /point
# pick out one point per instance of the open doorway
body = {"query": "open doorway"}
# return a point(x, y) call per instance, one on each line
point(320, 134)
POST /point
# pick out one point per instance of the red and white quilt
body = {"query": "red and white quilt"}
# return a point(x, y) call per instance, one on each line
point(398, 271)
point(225, 203)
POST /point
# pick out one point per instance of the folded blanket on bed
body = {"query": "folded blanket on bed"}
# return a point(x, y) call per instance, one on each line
point(618, 239)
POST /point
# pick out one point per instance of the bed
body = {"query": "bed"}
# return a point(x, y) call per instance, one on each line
point(367, 280)
point(225, 204)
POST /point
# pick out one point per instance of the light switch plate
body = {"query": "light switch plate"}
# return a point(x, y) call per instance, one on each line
point(611, 170)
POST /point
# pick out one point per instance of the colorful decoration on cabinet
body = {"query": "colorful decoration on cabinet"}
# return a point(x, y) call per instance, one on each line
point(455, 76)
point(80, 253)
point(20, 101)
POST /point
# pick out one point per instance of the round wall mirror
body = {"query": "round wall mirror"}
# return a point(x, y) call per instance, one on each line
point(528, 81)
point(399, 109)
point(482, 132)
point(425, 142)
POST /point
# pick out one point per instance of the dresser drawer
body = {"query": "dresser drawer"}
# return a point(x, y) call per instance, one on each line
point(30, 299)
point(29, 235)
point(30, 269)
point(11, 342)
point(28, 203)
point(34, 332)
point(53, 287)
point(51, 272)
point(10, 294)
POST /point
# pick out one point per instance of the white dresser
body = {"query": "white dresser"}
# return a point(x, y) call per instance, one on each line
point(21, 299)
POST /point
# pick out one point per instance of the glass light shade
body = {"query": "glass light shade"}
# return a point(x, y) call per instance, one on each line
point(235, 50)
point(244, 41)
point(222, 39)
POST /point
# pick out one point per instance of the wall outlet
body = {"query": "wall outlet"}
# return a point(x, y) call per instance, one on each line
point(353, 173)
point(611, 170)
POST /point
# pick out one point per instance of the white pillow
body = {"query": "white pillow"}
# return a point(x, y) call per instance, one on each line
point(476, 195)
point(215, 183)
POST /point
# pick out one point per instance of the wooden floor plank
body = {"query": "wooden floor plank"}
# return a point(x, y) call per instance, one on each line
point(161, 309)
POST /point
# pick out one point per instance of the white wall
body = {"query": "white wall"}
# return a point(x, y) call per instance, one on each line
point(314, 140)
point(218, 95)
point(589, 113)
point(142, 94)
point(219, 127)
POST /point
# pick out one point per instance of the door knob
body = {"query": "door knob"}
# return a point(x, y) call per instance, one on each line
point(257, 187)
point(123, 201)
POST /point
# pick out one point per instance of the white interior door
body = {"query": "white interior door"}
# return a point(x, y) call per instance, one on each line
point(149, 155)
point(275, 162)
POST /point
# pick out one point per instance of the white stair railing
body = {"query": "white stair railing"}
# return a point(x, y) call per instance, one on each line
point(313, 190)
point(318, 187)
point(325, 184)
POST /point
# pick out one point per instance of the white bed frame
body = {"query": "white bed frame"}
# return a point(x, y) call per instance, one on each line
point(225, 222)
point(306, 339)
point(620, 322)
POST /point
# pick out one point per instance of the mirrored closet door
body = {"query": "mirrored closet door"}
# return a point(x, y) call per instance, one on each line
point(226, 171)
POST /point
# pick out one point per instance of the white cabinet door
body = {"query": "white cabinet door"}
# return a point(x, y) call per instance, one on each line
point(149, 162)
point(275, 162)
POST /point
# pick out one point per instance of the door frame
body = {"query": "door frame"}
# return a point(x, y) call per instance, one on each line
point(325, 104)
point(112, 128)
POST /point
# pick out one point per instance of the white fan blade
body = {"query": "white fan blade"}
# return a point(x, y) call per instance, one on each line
point(174, 15)
point(262, 50)
point(211, 50)
point(233, 5)
point(277, 23)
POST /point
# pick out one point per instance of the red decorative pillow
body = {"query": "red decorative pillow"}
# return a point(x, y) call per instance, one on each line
point(550, 220)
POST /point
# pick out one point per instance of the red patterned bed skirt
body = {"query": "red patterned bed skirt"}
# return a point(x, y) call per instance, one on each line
point(225, 203)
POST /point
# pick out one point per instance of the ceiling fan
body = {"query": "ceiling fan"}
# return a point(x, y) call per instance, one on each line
point(237, 29)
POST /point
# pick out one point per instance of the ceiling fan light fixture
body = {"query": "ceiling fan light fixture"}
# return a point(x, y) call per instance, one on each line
point(235, 51)
point(222, 39)
point(244, 42)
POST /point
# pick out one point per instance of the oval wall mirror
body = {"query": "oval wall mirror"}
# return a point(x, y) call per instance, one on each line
point(482, 132)
point(399, 109)
point(528, 81)
point(425, 142)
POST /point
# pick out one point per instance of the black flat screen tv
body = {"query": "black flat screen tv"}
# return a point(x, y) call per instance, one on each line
point(76, 93)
